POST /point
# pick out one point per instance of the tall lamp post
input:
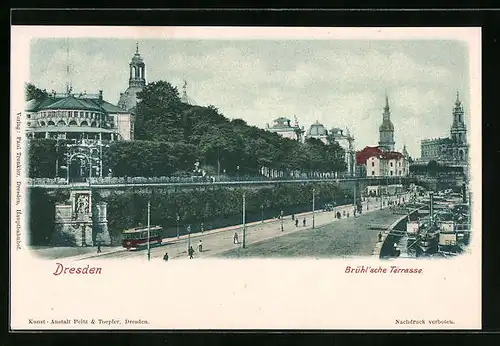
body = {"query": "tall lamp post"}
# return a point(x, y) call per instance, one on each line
point(149, 230)
point(57, 157)
point(313, 200)
point(354, 198)
point(244, 225)
point(177, 219)
point(281, 217)
point(262, 213)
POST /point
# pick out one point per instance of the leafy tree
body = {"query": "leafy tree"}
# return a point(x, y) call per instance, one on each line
point(34, 93)
point(158, 115)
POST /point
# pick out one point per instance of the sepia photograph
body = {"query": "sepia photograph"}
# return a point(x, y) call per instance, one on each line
point(348, 145)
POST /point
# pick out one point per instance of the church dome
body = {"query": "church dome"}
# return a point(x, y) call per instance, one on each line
point(137, 59)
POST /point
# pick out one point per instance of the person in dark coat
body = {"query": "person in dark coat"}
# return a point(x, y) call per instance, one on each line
point(165, 257)
point(191, 252)
point(304, 222)
point(297, 223)
point(379, 236)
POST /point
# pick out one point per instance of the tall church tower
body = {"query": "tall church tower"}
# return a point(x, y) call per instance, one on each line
point(136, 82)
point(386, 130)
point(459, 132)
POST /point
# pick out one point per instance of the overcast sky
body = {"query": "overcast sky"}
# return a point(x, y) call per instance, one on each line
point(339, 83)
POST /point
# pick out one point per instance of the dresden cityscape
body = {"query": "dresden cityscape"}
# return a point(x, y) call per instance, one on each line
point(276, 164)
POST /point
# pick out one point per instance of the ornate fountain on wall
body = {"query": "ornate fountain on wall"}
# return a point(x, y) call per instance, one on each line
point(79, 222)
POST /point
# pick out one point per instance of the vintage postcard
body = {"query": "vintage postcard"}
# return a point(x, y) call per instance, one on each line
point(245, 178)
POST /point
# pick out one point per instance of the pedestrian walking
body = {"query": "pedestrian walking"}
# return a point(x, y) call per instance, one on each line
point(99, 248)
point(200, 246)
point(293, 217)
point(202, 228)
point(191, 252)
point(165, 257)
point(297, 223)
point(379, 236)
point(304, 222)
point(235, 238)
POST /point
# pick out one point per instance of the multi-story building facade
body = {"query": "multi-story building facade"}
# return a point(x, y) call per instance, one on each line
point(375, 162)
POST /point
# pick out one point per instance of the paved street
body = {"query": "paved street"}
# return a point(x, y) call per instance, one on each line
point(217, 243)
point(344, 237)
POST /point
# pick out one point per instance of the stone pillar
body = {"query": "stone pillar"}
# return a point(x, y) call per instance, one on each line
point(100, 224)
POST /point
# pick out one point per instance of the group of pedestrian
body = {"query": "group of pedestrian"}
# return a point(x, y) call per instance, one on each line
point(303, 222)
point(190, 251)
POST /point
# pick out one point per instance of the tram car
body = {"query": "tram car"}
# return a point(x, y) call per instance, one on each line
point(137, 238)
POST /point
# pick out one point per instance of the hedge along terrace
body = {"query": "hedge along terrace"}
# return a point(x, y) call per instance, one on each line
point(215, 207)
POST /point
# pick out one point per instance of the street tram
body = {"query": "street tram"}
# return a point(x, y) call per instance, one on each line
point(137, 238)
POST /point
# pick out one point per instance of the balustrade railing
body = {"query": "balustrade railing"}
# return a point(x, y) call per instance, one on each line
point(194, 179)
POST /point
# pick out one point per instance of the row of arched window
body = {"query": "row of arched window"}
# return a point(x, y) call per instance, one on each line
point(71, 123)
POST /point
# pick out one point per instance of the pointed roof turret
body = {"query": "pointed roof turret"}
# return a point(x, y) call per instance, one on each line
point(386, 117)
point(405, 152)
point(137, 58)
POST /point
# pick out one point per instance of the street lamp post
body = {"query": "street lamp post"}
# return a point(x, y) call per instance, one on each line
point(100, 159)
point(244, 225)
point(262, 213)
point(177, 219)
point(57, 157)
point(238, 170)
point(149, 230)
point(313, 200)
point(354, 199)
point(281, 217)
